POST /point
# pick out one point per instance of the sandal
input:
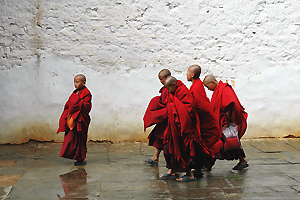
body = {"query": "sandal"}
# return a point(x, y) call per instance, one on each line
point(185, 178)
point(167, 176)
point(151, 162)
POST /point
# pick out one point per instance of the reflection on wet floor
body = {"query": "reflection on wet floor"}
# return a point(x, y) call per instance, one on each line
point(74, 184)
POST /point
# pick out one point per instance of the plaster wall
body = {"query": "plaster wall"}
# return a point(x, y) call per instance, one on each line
point(121, 46)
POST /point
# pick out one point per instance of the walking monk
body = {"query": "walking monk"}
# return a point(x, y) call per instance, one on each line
point(178, 141)
point(156, 113)
point(228, 109)
point(75, 121)
point(209, 125)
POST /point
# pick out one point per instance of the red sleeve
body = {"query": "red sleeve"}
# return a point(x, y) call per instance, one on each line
point(156, 112)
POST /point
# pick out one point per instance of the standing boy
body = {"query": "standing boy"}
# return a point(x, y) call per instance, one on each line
point(156, 113)
point(75, 121)
point(228, 109)
point(179, 141)
point(209, 125)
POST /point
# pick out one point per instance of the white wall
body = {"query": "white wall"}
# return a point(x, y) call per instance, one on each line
point(121, 46)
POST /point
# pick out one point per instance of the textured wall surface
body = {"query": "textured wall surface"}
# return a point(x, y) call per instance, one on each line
point(121, 45)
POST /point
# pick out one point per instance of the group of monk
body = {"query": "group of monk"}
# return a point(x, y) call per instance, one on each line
point(189, 128)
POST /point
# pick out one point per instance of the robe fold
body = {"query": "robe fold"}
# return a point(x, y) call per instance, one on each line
point(157, 113)
point(209, 126)
point(77, 110)
point(222, 97)
point(179, 138)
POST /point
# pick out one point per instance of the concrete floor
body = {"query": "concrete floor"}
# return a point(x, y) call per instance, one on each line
point(117, 171)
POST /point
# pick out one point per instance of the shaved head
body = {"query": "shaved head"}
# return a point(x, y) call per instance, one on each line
point(164, 73)
point(196, 70)
point(210, 82)
point(171, 84)
point(209, 79)
point(82, 77)
point(171, 80)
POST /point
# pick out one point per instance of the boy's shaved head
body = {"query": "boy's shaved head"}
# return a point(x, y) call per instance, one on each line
point(82, 77)
point(164, 73)
point(171, 84)
point(196, 70)
point(209, 79)
point(210, 82)
point(170, 81)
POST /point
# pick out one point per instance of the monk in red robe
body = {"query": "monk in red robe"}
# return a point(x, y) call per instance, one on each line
point(75, 121)
point(179, 141)
point(228, 110)
point(209, 125)
point(156, 113)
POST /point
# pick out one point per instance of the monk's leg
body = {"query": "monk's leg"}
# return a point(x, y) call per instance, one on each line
point(155, 157)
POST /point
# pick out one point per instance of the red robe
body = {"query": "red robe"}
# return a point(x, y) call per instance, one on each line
point(223, 96)
point(157, 113)
point(78, 107)
point(180, 135)
point(209, 126)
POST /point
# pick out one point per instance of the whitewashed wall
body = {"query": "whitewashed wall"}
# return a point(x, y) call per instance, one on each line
point(121, 46)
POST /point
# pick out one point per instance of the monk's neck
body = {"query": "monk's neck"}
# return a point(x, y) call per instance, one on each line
point(193, 80)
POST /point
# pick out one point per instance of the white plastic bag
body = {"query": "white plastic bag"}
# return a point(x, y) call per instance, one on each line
point(230, 131)
point(232, 140)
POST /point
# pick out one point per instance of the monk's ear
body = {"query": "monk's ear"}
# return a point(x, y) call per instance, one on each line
point(193, 75)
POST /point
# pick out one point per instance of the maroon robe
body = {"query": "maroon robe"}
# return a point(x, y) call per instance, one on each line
point(209, 128)
point(78, 107)
point(156, 113)
point(180, 137)
point(222, 97)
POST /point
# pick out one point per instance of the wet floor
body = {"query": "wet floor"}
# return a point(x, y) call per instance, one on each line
point(117, 171)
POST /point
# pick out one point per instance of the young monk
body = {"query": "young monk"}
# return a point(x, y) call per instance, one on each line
point(178, 141)
point(209, 125)
point(156, 113)
point(228, 109)
point(75, 121)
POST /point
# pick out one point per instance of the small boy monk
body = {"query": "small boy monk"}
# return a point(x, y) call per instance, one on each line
point(209, 125)
point(228, 109)
point(156, 113)
point(178, 141)
point(75, 121)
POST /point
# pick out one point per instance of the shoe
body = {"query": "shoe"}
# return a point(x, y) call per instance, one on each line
point(240, 166)
point(78, 163)
point(198, 173)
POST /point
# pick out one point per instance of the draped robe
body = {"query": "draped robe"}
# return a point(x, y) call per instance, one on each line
point(157, 113)
point(209, 126)
point(75, 121)
point(222, 97)
point(180, 136)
